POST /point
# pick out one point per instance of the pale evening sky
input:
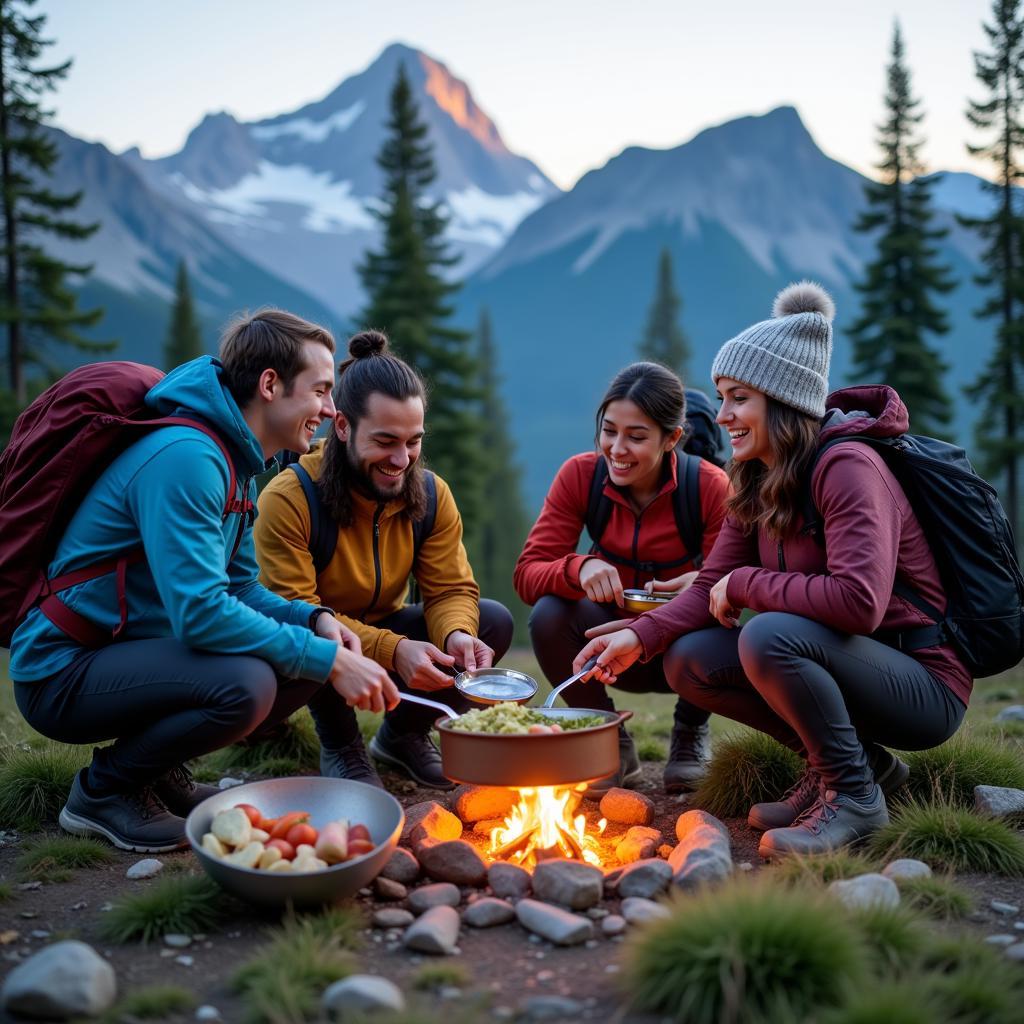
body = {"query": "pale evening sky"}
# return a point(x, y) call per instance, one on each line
point(569, 83)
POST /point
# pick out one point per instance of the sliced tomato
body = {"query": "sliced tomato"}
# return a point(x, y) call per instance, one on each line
point(286, 848)
point(286, 821)
point(302, 833)
point(358, 832)
point(252, 813)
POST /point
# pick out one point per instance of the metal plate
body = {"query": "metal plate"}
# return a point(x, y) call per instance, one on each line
point(496, 685)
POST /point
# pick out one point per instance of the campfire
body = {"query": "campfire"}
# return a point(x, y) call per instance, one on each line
point(541, 826)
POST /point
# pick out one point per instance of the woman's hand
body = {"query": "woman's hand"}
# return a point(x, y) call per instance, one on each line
point(600, 582)
point(610, 627)
point(719, 606)
point(422, 665)
point(616, 652)
point(677, 585)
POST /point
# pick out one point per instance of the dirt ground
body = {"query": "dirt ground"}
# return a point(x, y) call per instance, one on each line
point(505, 965)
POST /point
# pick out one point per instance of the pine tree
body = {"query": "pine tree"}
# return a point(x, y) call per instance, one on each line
point(409, 297)
point(503, 526)
point(664, 341)
point(37, 304)
point(1001, 71)
point(184, 338)
point(897, 310)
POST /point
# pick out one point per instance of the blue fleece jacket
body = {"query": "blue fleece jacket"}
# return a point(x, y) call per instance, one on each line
point(168, 492)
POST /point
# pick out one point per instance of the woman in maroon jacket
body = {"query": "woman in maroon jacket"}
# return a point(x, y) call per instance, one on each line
point(639, 425)
point(819, 668)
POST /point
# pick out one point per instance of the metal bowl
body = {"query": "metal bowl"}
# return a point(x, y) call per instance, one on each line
point(638, 601)
point(496, 685)
point(325, 800)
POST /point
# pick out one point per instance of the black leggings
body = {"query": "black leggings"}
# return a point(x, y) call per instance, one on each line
point(831, 697)
point(557, 627)
point(163, 703)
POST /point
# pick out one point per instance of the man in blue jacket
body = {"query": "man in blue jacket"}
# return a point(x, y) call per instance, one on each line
point(207, 654)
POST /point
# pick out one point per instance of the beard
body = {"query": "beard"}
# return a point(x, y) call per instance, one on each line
point(365, 484)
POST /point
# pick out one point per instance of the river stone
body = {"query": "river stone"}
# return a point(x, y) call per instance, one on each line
point(638, 843)
point(553, 923)
point(476, 803)
point(870, 890)
point(1001, 939)
point(441, 894)
point(402, 867)
point(358, 994)
point(637, 910)
point(613, 924)
point(569, 882)
point(1015, 952)
point(390, 890)
point(627, 807)
point(508, 881)
point(453, 860)
point(702, 858)
point(429, 820)
point(998, 801)
point(906, 867)
point(647, 878)
point(145, 868)
point(1010, 909)
point(1013, 713)
point(488, 912)
point(436, 931)
point(392, 917)
point(551, 1008)
point(486, 826)
point(690, 821)
point(65, 980)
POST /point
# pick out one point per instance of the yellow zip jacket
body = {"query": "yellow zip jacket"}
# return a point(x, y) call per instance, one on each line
point(368, 578)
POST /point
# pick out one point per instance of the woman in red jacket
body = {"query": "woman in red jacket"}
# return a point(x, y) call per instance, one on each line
point(640, 424)
point(837, 663)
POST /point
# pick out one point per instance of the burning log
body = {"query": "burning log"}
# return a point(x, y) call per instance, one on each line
point(570, 840)
point(521, 842)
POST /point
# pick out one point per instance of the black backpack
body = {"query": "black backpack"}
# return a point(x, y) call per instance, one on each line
point(972, 543)
point(703, 436)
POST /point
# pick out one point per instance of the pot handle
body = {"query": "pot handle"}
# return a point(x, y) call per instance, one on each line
point(624, 716)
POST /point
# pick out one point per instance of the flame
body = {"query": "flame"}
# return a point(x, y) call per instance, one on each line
point(541, 827)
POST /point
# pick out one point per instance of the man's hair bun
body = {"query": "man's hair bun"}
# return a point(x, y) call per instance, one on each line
point(367, 343)
point(804, 297)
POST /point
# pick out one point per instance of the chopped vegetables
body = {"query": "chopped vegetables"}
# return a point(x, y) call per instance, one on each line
point(508, 718)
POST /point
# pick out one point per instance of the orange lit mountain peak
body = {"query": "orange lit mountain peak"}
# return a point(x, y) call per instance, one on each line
point(454, 99)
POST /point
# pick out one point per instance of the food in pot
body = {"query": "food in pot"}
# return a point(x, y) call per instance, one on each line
point(508, 719)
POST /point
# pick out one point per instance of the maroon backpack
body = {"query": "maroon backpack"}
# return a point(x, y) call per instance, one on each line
point(59, 447)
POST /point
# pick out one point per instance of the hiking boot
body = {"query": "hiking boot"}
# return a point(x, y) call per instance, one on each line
point(413, 753)
point(136, 821)
point(628, 775)
point(180, 793)
point(349, 761)
point(783, 812)
point(891, 775)
point(688, 756)
point(832, 821)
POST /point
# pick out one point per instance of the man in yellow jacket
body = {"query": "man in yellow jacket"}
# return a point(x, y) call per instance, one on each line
point(346, 528)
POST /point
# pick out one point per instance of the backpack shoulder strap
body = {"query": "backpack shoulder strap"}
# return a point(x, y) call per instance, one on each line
point(323, 530)
point(423, 528)
point(599, 508)
point(687, 508)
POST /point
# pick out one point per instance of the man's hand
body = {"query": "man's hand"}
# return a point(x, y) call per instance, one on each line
point(362, 682)
point(615, 651)
point(600, 582)
point(330, 628)
point(718, 604)
point(673, 586)
point(469, 651)
point(417, 663)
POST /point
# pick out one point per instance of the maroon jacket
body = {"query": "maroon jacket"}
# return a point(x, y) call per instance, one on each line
point(871, 537)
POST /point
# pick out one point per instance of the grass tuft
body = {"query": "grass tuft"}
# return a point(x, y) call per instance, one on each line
point(746, 768)
point(648, 748)
point(284, 983)
point(296, 749)
point(972, 982)
point(951, 771)
point(893, 935)
point(935, 896)
point(821, 868)
point(950, 838)
point(35, 783)
point(177, 903)
point(52, 859)
point(888, 1001)
point(431, 977)
point(152, 1003)
point(742, 953)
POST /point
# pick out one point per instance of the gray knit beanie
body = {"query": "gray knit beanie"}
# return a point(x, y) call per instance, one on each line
point(786, 357)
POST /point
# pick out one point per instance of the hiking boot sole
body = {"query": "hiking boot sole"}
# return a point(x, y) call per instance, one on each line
point(78, 826)
point(393, 762)
point(685, 785)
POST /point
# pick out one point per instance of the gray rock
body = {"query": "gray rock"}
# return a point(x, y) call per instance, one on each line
point(627, 807)
point(452, 860)
point(402, 867)
point(360, 993)
point(906, 867)
point(646, 878)
point(229, 783)
point(392, 917)
point(429, 820)
point(639, 843)
point(207, 1012)
point(998, 801)
point(550, 1008)
point(568, 882)
point(637, 910)
point(389, 889)
point(691, 820)
point(1013, 713)
point(553, 923)
point(1016, 952)
point(176, 941)
point(488, 912)
point(1001, 940)
point(596, 913)
point(440, 894)
point(870, 890)
point(508, 881)
point(65, 980)
point(613, 924)
point(145, 868)
point(1004, 908)
point(479, 803)
point(437, 931)
point(702, 858)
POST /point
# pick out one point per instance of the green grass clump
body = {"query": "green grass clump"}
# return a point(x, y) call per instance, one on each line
point(51, 859)
point(822, 868)
point(178, 903)
point(950, 838)
point(151, 1003)
point(951, 771)
point(650, 749)
point(35, 783)
point(297, 747)
point(972, 982)
point(887, 1002)
point(284, 983)
point(935, 896)
point(431, 977)
point(746, 768)
point(893, 935)
point(742, 953)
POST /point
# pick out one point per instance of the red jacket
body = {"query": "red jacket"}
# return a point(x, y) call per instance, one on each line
point(871, 537)
point(549, 563)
